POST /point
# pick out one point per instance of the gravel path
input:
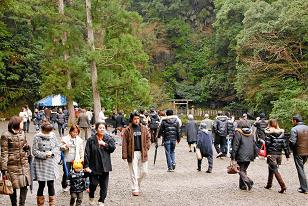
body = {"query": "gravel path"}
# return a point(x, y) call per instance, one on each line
point(186, 186)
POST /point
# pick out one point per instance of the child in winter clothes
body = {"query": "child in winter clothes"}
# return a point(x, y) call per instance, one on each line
point(204, 147)
point(77, 179)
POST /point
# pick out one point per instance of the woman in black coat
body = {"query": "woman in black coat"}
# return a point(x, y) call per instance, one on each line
point(97, 161)
point(275, 142)
point(244, 151)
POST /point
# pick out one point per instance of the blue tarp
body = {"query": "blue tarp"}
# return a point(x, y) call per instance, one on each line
point(53, 100)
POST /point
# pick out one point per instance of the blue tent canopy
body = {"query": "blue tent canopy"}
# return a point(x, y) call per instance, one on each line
point(53, 100)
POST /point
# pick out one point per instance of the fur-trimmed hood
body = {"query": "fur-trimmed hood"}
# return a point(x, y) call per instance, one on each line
point(244, 131)
point(271, 130)
point(49, 135)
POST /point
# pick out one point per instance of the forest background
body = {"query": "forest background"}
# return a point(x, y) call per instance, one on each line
point(248, 55)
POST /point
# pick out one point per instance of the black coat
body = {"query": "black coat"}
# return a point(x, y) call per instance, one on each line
point(205, 143)
point(96, 157)
point(244, 148)
point(191, 131)
point(77, 181)
point(170, 129)
point(276, 142)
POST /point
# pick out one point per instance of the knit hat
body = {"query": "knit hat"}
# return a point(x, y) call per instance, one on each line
point(77, 165)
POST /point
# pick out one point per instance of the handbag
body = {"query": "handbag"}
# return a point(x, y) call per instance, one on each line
point(233, 168)
point(6, 187)
point(262, 151)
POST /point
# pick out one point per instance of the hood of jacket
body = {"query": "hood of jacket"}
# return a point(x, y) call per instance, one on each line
point(47, 136)
point(271, 130)
point(244, 131)
point(170, 119)
point(222, 118)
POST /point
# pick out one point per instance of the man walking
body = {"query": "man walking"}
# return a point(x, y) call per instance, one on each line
point(299, 144)
point(208, 122)
point(135, 146)
point(29, 112)
point(84, 123)
point(170, 131)
point(154, 122)
point(220, 127)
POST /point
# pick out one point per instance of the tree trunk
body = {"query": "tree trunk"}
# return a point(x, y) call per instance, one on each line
point(96, 95)
point(68, 73)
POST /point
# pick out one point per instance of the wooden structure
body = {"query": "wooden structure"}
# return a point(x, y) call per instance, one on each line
point(177, 102)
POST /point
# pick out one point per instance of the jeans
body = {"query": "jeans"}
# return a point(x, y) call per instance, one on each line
point(300, 165)
point(28, 126)
point(244, 180)
point(220, 144)
point(22, 197)
point(65, 179)
point(170, 154)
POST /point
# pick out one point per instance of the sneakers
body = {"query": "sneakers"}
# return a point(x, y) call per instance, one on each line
point(100, 204)
point(300, 190)
point(173, 167)
point(91, 201)
point(220, 154)
point(209, 171)
point(135, 193)
point(170, 170)
point(66, 189)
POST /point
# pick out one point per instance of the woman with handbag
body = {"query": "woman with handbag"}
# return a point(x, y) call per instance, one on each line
point(14, 159)
point(97, 161)
point(275, 142)
point(243, 151)
point(46, 154)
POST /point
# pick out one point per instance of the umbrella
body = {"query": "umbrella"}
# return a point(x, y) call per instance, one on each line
point(155, 153)
point(31, 171)
point(66, 172)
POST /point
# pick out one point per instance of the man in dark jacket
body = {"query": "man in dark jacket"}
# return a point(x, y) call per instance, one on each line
point(299, 144)
point(204, 147)
point(260, 125)
point(153, 124)
point(220, 128)
point(119, 122)
point(135, 147)
point(243, 151)
point(170, 131)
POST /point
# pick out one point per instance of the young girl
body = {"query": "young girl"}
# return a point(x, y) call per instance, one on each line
point(45, 164)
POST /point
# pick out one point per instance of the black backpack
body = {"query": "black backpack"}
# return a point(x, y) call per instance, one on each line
point(222, 127)
point(154, 121)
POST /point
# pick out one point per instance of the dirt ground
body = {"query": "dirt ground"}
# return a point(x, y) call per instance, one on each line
point(187, 186)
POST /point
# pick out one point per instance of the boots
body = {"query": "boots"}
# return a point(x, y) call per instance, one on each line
point(199, 165)
point(269, 179)
point(40, 200)
point(52, 200)
point(281, 182)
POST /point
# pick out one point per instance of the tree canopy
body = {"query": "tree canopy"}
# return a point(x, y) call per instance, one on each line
point(233, 54)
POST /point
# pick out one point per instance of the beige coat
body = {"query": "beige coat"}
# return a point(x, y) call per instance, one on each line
point(14, 159)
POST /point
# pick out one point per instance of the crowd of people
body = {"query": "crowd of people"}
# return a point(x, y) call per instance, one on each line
point(86, 160)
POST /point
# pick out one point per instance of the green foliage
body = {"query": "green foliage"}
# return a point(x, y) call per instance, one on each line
point(19, 58)
point(272, 57)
